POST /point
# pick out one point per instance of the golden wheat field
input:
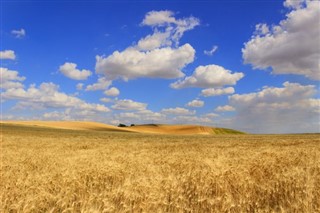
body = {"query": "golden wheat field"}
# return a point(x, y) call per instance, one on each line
point(60, 170)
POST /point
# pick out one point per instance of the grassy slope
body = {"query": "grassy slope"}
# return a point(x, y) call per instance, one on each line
point(56, 170)
point(148, 128)
point(182, 129)
point(226, 131)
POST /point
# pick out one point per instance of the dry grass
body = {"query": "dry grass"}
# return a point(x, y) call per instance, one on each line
point(52, 170)
point(181, 129)
point(148, 128)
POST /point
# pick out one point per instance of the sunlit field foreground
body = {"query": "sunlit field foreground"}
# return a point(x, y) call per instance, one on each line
point(55, 170)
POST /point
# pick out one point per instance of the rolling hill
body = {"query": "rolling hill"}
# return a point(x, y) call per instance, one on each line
point(146, 128)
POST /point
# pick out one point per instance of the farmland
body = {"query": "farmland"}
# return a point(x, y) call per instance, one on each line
point(63, 170)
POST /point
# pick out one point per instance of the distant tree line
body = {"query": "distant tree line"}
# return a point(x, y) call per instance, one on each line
point(123, 125)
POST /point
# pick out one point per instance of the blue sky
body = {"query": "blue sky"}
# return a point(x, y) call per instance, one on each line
point(251, 65)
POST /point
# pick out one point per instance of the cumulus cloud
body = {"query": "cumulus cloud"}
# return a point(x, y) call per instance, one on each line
point(106, 100)
point(159, 18)
point(47, 95)
point(292, 46)
point(19, 33)
point(101, 84)
point(71, 114)
point(79, 86)
point(7, 54)
point(211, 115)
point(57, 115)
point(139, 117)
point(128, 115)
point(148, 116)
point(174, 27)
point(154, 56)
point(112, 92)
point(212, 51)
point(288, 109)
point(127, 104)
point(209, 76)
point(10, 79)
point(225, 108)
point(156, 40)
point(262, 29)
point(187, 119)
point(177, 111)
point(196, 103)
point(45, 98)
point(296, 4)
point(216, 92)
point(70, 70)
point(288, 93)
point(158, 63)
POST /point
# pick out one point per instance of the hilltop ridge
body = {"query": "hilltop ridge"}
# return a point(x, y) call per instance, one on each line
point(143, 128)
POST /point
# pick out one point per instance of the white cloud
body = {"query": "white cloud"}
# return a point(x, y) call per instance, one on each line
point(216, 92)
point(57, 115)
point(79, 86)
point(288, 93)
point(159, 18)
point(172, 117)
point(175, 27)
point(19, 33)
point(158, 63)
point(112, 92)
point(187, 119)
point(262, 29)
point(7, 54)
point(153, 56)
point(44, 99)
point(127, 104)
point(70, 70)
point(139, 117)
point(287, 109)
point(209, 76)
point(210, 52)
point(177, 111)
point(115, 122)
point(143, 115)
point(102, 84)
point(296, 4)
point(128, 115)
point(156, 40)
point(106, 100)
point(225, 108)
point(71, 114)
point(47, 95)
point(292, 47)
point(150, 116)
point(211, 115)
point(10, 79)
point(196, 103)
